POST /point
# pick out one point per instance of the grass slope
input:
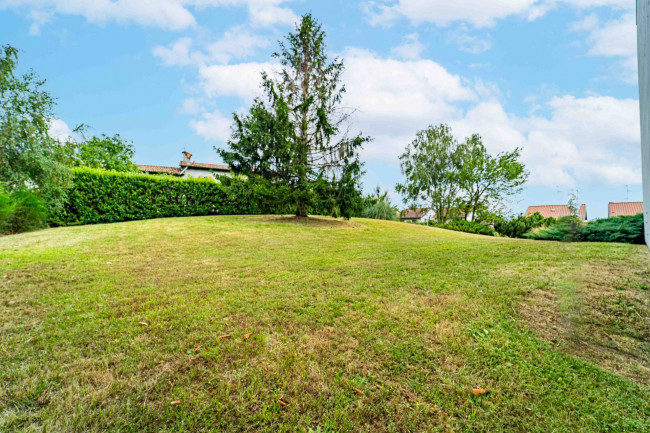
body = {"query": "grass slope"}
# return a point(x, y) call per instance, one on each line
point(203, 324)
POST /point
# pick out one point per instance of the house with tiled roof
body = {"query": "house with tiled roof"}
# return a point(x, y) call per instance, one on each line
point(557, 211)
point(188, 168)
point(418, 214)
point(628, 208)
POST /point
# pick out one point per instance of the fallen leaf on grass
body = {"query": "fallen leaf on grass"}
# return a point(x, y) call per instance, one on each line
point(143, 323)
point(247, 336)
point(479, 391)
point(177, 402)
point(282, 402)
point(358, 391)
point(221, 337)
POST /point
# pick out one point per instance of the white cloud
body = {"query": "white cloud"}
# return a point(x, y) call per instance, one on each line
point(466, 42)
point(240, 80)
point(410, 49)
point(478, 13)
point(59, 130)
point(265, 13)
point(236, 43)
point(212, 126)
point(165, 14)
point(592, 140)
point(399, 97)
point(178, 53)
point(614, 38)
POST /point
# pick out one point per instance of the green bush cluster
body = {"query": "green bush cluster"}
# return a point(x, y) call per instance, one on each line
point(467, 227)
point(21, 211)
point(518, 226)
point(625, 229)
point(99, 196)
point(381, 210)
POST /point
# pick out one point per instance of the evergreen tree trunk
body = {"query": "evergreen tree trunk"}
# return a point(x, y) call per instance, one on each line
point(301, 209)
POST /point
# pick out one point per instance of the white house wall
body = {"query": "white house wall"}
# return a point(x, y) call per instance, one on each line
point(193, 172)
point(643, 35)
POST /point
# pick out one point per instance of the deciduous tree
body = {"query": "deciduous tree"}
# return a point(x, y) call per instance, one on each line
point(29, 157)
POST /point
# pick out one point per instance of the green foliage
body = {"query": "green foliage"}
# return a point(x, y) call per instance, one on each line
point(458, 176)
point(382, 210)
point(625, 229)
point(518, 226)
point(28, 155)
point(21, 211)
point(467, 227)
point(566, 229)
point(295, 137)
point(378, 206)
point(99, 196)
point(109, 153)
point(431, 164)
point(486, 180)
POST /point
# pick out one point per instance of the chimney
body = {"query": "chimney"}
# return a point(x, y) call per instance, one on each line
point(187, 157)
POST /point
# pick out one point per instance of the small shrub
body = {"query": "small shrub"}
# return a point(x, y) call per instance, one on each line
point(566, 229)
point(382, 210)
point(625, 229)
point(518, 226)
point(22, 211)
point(467, 227)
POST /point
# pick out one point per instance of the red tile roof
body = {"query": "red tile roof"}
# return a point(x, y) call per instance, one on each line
point(205, 166)
point(556, 211)
point(158, 169)
point(413, 214)
point(625, 208)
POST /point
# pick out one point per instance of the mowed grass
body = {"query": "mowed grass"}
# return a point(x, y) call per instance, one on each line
point(271, 324)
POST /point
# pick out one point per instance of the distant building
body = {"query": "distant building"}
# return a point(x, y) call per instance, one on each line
point(625, 208)
point(426, 214)
point(417, 215)
point(188, 168)
point(557, 211)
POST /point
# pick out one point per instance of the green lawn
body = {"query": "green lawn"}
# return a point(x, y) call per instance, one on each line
point(204, 324)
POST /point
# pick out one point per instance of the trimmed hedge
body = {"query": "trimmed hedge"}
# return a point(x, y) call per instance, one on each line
point(467, 227)
point(99, 196)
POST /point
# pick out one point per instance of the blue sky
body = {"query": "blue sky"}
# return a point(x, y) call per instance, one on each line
point(555, 77)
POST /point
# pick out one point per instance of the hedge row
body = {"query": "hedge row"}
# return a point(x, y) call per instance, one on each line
point(467, 227)
point(625, 229)
point(99, 196)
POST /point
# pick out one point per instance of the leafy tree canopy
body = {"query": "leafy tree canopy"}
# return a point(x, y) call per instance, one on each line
point(458, 179)
point(109, 153)
point(29, 157)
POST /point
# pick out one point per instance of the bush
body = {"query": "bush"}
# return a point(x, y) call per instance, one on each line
point(21, 211)
point(520, 225)
point(467, 227)
point(381, 210)
point(626, 229)
point(99, 196)
point(566, 229)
